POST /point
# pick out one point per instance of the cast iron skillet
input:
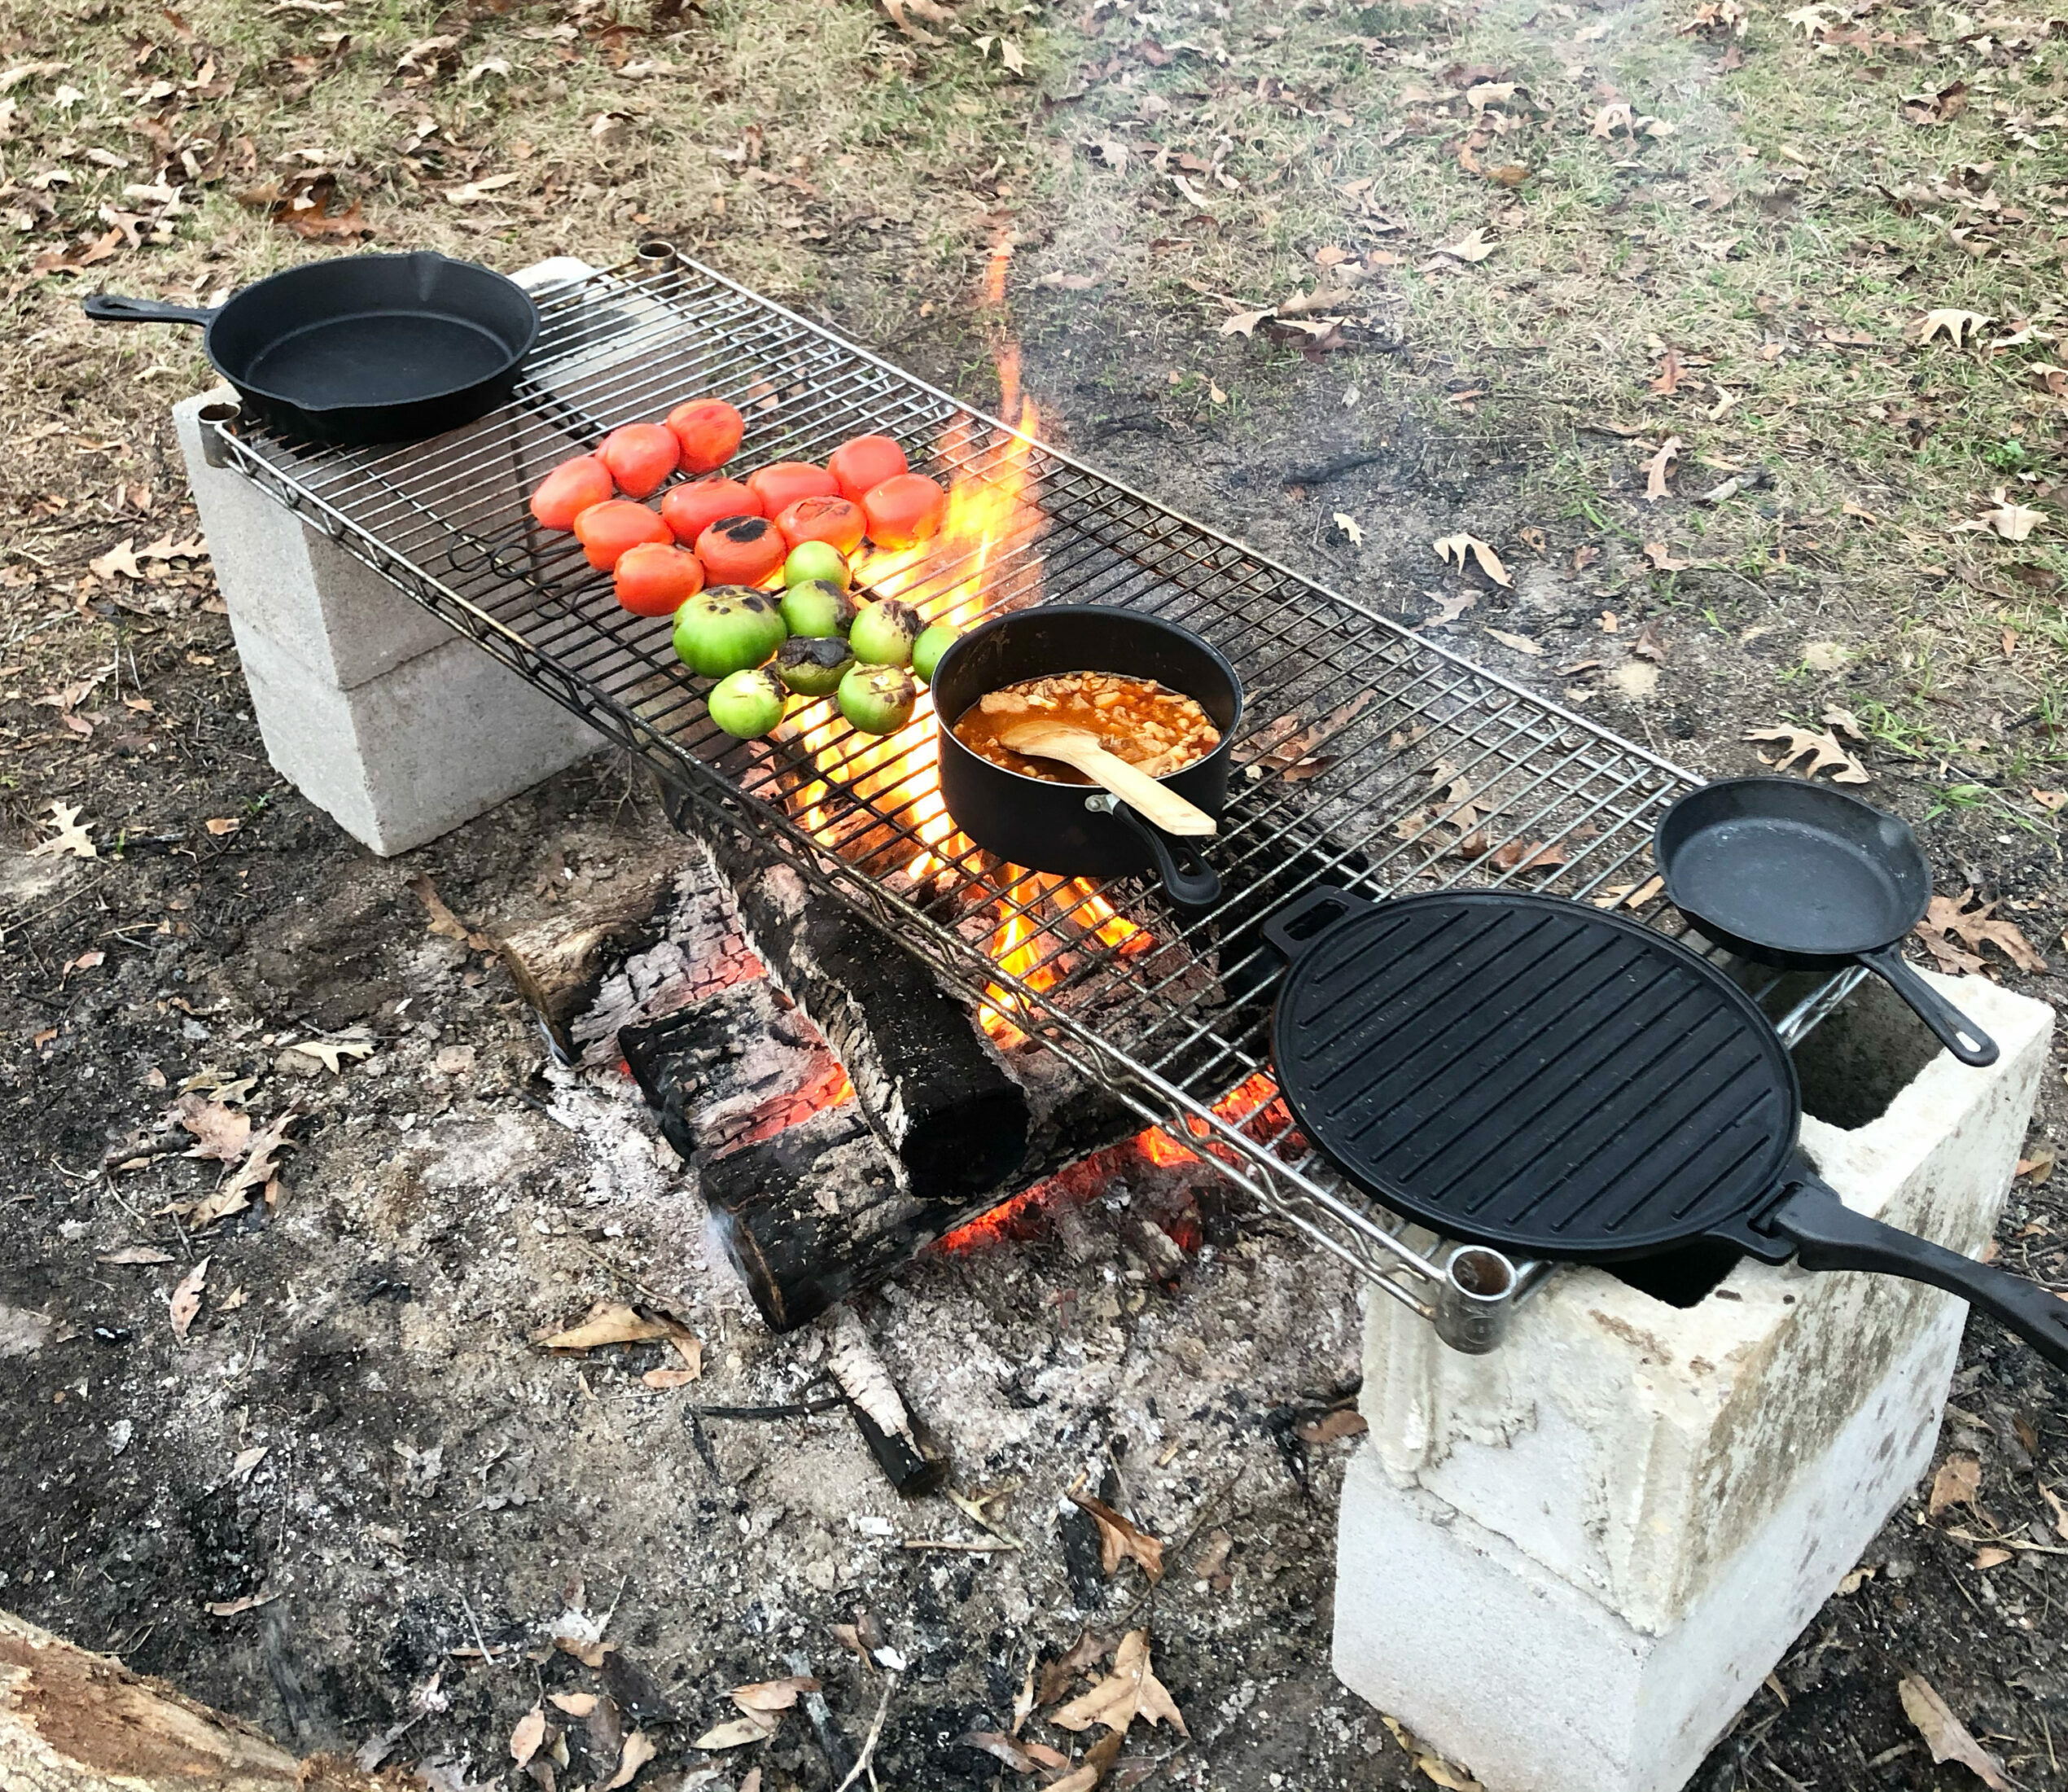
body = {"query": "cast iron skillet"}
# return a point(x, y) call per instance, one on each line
point(1531, 1075)
point(1799, 874)
point(361, 349)
point(1069, 829)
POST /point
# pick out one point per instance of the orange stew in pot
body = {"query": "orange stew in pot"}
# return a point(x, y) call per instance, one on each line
point(1146, 724)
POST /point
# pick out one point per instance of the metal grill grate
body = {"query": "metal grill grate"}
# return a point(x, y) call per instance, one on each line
point(1373, 757)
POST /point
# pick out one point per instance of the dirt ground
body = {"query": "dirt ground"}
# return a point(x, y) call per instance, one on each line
point(429, 1482)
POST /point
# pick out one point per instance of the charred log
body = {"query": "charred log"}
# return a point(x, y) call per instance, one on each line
point(560, 961)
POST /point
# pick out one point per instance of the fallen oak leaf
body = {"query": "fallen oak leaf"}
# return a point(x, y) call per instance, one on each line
point(610, 1322)
point(1459, 546)
point(71, 836)
point(1001, 1747)
point(739, 1732)
point(1661, 559)
point(220, 1133)
point(1956, 324)
point(639, 1748)
point(1120, 1538)
point(1131, 1690)
point(185, 1302)
point(1519, 643)
point(2060, 1511)
point(1244, 324)
point(1650, 643)
point(1944, 1734)
point(1057, 1675)
point(1350, 526)
point(526, 1740)
point(1097, 1761)
point(1958, 1481)
point(1817, 749)
point(1472, 248)
point(1977, 926)
point(772, 1695)
point(230, 1608)
point(2010, 520)
point(1657, 468)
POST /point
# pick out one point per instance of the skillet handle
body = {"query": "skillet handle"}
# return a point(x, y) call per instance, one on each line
point(1829, 1235)
point(1197, 886)
point(1289, 929)
point(1959, 1035)
point(112, 307)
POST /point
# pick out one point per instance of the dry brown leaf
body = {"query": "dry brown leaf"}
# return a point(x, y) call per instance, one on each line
point(1473, 247)
point(1958, 1481)
point(1662, 558)
point(2037, 1165)
point(1244, 324)
point(256, 1171)
point(186, 1304)
point(1990, 1557)
point(230, 1608)
point(1956, 324)
point(525, 1740)
point(1097, 1759)
point(739, 1731)
point(1944, 1734)
point(1344, 1421)
point(135, 1254)
point(997, 1744)
point(1815, 749)
point(71, 836)
point(2011, 521)
point(573, 1704)
point(1120, 1538)
point(772, 1695)
point(1519, 643)
point(1657, 468)
point(1056, 1675)
point(1457, 546)
point(1650, 644)
point(1976, 927)
point(1858, 1577)
point(1432, 1767)
point(443, 922)
point(2060, 1511)
point(610, 1322)
point(1130, 1691)
point(2052, 801)
point(639, 1748)
point(219, 1132)
point(1350, 526)
point(1668, 381)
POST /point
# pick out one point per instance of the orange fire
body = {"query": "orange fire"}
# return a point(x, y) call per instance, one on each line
point(989, 522)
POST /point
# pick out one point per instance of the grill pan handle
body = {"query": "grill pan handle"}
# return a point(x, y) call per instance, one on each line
point(1827, 1234)
point(1959, 1035)
point(1291, 928)
point(112, 307)
point(1197, 886)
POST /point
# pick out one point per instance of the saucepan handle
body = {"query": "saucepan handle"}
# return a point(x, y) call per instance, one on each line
point(1827, 1234)
point(112, 307)
point(1959, 1035)
point(1196, 886)
point(1289, 929)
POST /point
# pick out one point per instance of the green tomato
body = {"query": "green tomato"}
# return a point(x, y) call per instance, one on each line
point(747, 703)
point(728, 628)
point(813, 665)
point(818, 607)
point(815, 560)
point(884, 632)
point(932, 643)
point(878, 700)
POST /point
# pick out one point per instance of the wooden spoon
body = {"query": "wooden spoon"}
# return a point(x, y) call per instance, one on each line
point(1075, 746)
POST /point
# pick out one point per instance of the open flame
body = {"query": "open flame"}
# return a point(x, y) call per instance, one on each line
point(988, 521)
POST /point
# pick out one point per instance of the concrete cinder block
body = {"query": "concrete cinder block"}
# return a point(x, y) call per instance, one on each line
point(282, 579)
point(399, 759)
point(1648, 1502)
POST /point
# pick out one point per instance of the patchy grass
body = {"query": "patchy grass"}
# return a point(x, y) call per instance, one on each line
point(1717, 222)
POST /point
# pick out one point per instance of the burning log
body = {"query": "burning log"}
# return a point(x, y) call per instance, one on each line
point(879, 1410)
point(71, 1721)
point(928, 1084)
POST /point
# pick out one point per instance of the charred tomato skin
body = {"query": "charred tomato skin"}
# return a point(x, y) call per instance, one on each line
point(569, 490)
point(838, 522)
point(726, 628)
point(878, 700)
point(864, 463)
point(691, 508)
point(607, 530)
point(706, 432)
point(742, 549)
point(746, 704)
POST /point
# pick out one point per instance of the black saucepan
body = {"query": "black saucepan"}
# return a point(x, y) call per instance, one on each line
point(361, 349)
point(1069, 829)
point(1530, 1074)
point(1798, 874)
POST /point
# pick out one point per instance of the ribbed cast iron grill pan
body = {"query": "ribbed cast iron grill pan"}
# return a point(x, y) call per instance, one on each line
point(1532, 1074)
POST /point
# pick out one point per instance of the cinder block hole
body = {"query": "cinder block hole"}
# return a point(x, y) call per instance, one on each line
point(1856, 1064)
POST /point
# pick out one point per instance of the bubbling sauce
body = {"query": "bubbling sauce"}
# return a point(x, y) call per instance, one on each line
point(1151, 726)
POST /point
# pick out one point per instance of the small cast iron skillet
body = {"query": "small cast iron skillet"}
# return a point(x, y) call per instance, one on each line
point(1788, 873)
point(362, 348)
point(1068, 829)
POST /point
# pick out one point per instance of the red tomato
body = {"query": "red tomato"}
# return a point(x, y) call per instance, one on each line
point(569, 490)
point(691, 509)
point(708, 430)
point(741, 551)
point(607, 530)
point(863, 464)
point(780, 486)
point(904, 512)
point(640, 457)
point(655, 578)
point(830, 520)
